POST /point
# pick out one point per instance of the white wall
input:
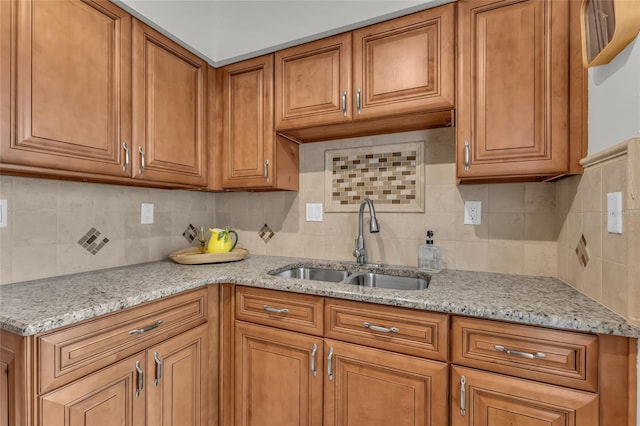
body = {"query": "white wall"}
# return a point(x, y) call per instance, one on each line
point(228, 31)
point(614, 99)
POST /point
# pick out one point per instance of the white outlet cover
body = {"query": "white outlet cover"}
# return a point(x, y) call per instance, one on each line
point(473, 212)
point(146, 214)
point(4, 219)
point(314, 212)
point(614, 212)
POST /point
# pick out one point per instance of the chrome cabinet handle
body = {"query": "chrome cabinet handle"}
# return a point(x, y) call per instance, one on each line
point(314, 350)
point(344, 104)
point(126, 156)
point(358, 101)
point(463, 396)
point(142, 162)
point(145, 329)
point(380, 329)
point(466, 156)
point(330, 364)
point(275, 310)
point(519, 353)
point(158, 361)
point(265, 170)
point(140, 379)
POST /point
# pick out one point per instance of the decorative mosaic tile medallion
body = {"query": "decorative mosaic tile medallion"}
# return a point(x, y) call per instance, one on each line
point(266, 233)
point(91, 242)
point(390, 175)
point(190, 233)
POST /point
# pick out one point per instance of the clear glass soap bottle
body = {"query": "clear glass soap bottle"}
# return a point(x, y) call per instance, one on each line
point(429, 256)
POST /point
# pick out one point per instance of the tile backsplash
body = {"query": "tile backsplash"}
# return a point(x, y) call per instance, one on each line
point(49, 220)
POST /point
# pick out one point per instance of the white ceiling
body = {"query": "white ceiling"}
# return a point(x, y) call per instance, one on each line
point(228, 31)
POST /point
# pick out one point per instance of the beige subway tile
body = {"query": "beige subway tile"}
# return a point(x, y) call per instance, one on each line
point(614, 177)
point(134, 229)
point(33, 228)
point(137, 250)
point(160, 247)
point(541, 259)
point(562, 196)
point(471, 232)
point(614, 246)
point(506, 226)
point(252, 242)
point(6, 187)
point(614, 287)
point(473, 193)
point(111, 224)
point(285, 244)
point(76, 197)
point(164, 201)
point(592, 279)
point(574, 271)
point(73, 226)
point(6, 259)
point(111, 255)
point(633, 265)
point(72, 259)
point(563, 230)
point(506, 257)
point(592, 189)
point(292, 208)
point(314, 246)
point(448, 253)
point(472, 256)
point(312, 157)
point(33, 262)
point(592, 231)
point(632, 201)
point(540, 198)
point(442, 224)
point(506, 198)
point(34, 194)
point(575, 228)
point(134, 197)
point(161, 226)
point(440, 174)
point(440, 198)
point(563, 263)
point(540, 226)
point(574, 194)
point(109, 198)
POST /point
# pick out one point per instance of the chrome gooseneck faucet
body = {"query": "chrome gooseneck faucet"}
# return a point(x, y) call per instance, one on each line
point(360, 252)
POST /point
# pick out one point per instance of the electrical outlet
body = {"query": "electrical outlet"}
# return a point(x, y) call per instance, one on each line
point(614, 212)
point(472, 212)
point(4, 219)
point(146, 214)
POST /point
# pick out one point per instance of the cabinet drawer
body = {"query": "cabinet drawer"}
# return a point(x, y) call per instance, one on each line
point(401, 330)
point(559, 357)
point(290, 311)
point(77, 350)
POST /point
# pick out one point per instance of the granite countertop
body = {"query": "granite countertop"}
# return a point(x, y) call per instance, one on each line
point(34, 307)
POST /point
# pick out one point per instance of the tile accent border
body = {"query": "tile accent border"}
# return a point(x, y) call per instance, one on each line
point(89, 241)
point(390, 175)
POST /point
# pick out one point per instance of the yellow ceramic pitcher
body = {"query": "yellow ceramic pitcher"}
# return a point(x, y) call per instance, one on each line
point(220, 241)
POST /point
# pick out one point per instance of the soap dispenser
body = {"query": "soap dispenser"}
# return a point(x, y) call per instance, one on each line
point(429, 256)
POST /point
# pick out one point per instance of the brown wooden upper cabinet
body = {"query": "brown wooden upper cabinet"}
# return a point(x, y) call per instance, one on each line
point(516, 107)
point(327, 89)
point(68, 83)
point(253, 156)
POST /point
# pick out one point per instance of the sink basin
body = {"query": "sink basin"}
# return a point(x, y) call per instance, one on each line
point(310, 273)
point(372, 279)
point(364, 279)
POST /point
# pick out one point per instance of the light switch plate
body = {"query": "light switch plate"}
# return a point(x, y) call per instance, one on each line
point(314, 212)
point(146, 214)
point(4, 219)
point(614, 212)
point(473, 212)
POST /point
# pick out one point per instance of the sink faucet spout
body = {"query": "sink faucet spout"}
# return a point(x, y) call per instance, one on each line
point(360, 251)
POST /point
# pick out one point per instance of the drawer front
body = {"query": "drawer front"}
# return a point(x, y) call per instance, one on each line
point(75, 351)
point(401, 330)
point(559, 357)
point(289, 311)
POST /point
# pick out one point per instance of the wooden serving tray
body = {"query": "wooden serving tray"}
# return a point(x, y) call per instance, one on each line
point(192, 256)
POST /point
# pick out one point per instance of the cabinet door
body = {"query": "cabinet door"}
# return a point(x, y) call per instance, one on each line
point(365, 386)
point(278, 377)
point(248, 137)
point(108, 397)
point(177, 380)
point(404, 65)
point(313, 83)
point(169, 117)
point(69, 108)
point(491, 399)
point(512, 106)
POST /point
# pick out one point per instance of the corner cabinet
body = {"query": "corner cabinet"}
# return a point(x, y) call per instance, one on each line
point(514, 94)
point(71, 72)
point(394, 76)
point(253, 157)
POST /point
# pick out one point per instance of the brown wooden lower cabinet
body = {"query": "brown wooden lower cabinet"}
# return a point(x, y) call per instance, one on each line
point(489, 399)
point(164, 385)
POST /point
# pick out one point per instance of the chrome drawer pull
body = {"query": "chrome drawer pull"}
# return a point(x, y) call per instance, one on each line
point(140, 379)
point(330, 364)
point(358, 101)
point(519, 353)
point(344, 104)
point(275, 310)
point(463, 395)
point(466, 156)
point(313, 359)
point(126, 157)
point(380, 329)
point(147, 328)
point(265, 170)
point(142, 162)
point(158, 361)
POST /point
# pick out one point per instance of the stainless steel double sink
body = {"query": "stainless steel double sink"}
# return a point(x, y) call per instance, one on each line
point(396, 280)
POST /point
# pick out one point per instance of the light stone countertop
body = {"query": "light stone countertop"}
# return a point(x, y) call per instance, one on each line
point(34, 307)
